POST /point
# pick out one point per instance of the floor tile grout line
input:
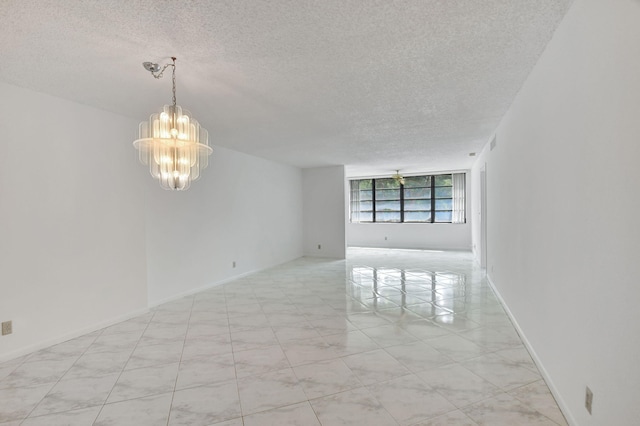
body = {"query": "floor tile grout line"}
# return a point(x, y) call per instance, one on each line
point(16, 366)
point(63, 374)
point(533, 408)
point(465, 333)
point(125, 364)
point(184, 340)
point(502, 392)
point(233, 356)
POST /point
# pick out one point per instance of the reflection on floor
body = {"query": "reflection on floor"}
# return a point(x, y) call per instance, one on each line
point(388, 337)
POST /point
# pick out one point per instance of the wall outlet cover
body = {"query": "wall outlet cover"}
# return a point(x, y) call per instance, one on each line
point(7, 328)
point(588, 400)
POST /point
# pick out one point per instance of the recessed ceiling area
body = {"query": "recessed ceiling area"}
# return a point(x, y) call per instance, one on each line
point(374, 85)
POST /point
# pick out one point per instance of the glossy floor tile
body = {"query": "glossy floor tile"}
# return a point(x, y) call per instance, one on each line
point(386, 337)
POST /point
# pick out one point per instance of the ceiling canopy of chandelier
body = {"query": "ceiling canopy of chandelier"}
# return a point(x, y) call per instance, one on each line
point(172, 143)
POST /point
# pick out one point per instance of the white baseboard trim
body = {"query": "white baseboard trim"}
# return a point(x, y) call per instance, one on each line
point(77, 333)
point(193, 291)
point(547, 378)
point(440, 249)
point(103, 324)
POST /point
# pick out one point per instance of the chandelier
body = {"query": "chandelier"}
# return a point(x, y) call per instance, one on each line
point(398, 178)
point(172, 143)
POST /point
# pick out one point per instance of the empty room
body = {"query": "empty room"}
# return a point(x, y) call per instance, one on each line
point(281, 212)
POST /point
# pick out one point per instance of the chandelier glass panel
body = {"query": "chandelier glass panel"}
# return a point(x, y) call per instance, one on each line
point(172, 143)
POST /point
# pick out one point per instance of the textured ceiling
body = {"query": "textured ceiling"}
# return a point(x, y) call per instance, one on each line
point(376, 85)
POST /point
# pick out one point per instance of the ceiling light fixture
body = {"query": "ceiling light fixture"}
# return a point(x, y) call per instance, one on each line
point(172, 142)
point(398, 178)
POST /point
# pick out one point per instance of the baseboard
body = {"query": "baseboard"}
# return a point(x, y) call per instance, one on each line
point(214, 284)
point(434, 249)
point(547, 378)
point(77, 333)
point(103, 324)
point(193, 291)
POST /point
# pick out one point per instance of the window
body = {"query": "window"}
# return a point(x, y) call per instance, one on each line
point(417, 199)
point(387, 202)
point(421, 199)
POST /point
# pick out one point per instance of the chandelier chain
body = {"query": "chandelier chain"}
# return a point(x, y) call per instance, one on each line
point(158, 75)
point(173, 80)
point(161, 73)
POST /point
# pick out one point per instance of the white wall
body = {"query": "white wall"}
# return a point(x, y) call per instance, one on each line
point(72, 233)
point(433, 236)
point(563, 203)
point(89, 238)
point(243, 209)
point(324, 210)
point(474, 216)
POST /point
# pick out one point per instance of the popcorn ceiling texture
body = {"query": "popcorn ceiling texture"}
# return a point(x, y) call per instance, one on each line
point(377, 85)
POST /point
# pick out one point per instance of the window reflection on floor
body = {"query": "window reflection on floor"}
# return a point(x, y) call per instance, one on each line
point(436, 295)
point(385, 337)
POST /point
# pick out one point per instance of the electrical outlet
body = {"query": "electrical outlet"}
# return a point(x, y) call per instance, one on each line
point(588, 400)
point(7, 328)
point(319, 247)
point(234, 263)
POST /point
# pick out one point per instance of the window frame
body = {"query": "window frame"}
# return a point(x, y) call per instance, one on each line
point(432, 186)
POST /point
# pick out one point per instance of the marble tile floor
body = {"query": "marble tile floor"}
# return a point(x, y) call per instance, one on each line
point(387, 337)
